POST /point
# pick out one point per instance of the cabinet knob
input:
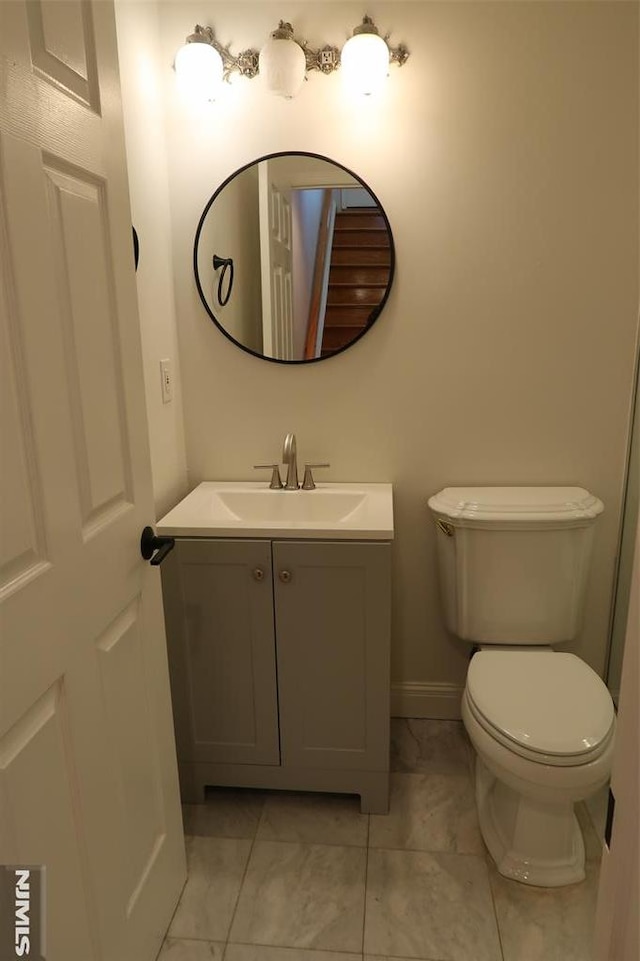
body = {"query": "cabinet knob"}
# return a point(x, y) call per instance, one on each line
point(258, 573)
point(285, 576)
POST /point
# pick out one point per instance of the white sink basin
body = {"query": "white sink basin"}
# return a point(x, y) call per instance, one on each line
point(317, 505)
point(249, 509)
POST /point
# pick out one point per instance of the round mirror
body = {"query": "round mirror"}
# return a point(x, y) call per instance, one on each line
point(293, 257)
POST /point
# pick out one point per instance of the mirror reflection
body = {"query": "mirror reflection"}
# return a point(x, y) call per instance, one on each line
point(294, 257)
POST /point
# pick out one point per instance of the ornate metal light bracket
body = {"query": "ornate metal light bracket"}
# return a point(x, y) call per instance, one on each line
point(324, 59)
point(398, 54)
point(246, 63)
point(327, 58)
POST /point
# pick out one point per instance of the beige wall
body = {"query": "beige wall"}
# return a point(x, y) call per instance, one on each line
point(141, 75)
point(232, 227)
point(505, 155)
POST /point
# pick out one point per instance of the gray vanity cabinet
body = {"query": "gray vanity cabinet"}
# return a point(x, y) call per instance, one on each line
point(279, 665)
point(219, 618)
point(333, 653)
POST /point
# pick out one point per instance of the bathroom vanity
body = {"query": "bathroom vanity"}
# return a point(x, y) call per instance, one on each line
point(277, 609)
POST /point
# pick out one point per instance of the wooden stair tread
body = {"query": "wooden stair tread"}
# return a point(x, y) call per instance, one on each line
point(355, 295)
point(352, 327)
point(361, 257)
point(353, 284)
point(359, 275)
point(347, 314)
point(338, 338)
point(340, 228)
point(368, 221)
point(363, 274)
point(361, 238)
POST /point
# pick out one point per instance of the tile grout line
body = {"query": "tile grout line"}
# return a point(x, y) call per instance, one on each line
point(495, 914)
point(471, 755)
point(366, 882)
point(358, 847)
point(288, 947)
point(324, 844)
point(329, 951)
point(186, 881)
point(244, 875)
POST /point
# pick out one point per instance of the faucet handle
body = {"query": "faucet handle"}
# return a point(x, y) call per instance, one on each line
point(276, 481)
point(308, 483)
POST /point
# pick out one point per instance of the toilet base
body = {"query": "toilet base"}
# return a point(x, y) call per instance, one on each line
point(530, 841)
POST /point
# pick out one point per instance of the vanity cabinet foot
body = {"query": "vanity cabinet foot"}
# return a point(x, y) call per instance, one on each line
point(371, 786)
point(279, 665)
point(375, 799)
point(193, 788)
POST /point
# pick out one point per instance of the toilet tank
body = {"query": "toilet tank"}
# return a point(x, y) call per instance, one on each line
point(513, 561)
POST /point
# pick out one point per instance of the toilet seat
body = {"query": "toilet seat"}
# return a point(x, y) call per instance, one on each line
point(548, 707)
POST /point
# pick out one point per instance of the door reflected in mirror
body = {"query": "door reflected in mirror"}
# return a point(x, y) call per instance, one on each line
point(294, 257)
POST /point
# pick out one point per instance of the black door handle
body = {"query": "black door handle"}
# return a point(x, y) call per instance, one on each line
point(150, 543)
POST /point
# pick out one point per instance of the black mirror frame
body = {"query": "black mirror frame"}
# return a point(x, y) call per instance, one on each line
point(375, 313)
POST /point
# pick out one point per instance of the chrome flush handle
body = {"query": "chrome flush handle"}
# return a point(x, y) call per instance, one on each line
point(447, 529)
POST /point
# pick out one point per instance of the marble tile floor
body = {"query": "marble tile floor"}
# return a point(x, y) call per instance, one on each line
point(278, 876)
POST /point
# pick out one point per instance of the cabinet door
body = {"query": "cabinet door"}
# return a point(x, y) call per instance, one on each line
point(219, 615)
point(332, 617)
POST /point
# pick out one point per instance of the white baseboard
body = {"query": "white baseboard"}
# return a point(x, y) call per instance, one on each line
point(418, 699)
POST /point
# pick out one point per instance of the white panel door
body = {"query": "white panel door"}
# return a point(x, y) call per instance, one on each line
point(276, 254)
point(87, 758)
point(617, 936)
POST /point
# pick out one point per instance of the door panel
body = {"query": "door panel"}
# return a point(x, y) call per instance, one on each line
point(276, 256)
point(219, 613)
point(50, 832)
point(23, 548)
point(123, 686)
point(62, 48)
point(85, 286)
point(333, 654)
point(617, 935)
point(86, 741)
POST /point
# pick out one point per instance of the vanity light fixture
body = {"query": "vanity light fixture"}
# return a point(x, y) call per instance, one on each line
point(285, 61)
point(202, 64)
point(282, 63)
point(365, 59)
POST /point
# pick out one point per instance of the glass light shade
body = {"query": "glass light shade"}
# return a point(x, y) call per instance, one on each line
point(282, 67)
point(364, 62)
point(199, 70)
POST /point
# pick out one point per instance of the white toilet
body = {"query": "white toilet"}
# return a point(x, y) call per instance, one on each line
point(513, 565)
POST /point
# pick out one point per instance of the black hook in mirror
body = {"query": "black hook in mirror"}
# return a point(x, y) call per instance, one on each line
point(227, 265)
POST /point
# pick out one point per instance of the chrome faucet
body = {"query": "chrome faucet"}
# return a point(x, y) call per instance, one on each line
point(290, 458)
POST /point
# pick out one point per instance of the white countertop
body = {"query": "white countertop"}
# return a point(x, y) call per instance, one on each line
point(251, 509)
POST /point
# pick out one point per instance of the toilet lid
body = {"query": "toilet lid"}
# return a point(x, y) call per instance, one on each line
point(549, 703)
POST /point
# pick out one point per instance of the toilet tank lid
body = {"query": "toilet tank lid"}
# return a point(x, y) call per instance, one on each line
point(516, 504)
